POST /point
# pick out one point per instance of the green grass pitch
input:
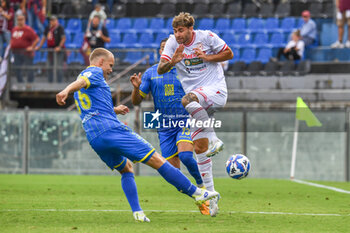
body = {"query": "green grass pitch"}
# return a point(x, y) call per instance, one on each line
point(47, 203)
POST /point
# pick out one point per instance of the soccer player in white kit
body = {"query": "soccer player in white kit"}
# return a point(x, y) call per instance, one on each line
point(197, 55)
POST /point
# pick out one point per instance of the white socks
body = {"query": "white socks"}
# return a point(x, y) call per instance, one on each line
point(205, 168)
point(198, 113)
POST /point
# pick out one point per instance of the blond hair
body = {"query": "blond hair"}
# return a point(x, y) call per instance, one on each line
point(297, 33)
point(183, 19)
point(100, 52)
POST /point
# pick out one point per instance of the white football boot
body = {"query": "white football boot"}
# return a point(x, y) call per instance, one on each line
point(139, 216)
point(205, 195)
point(213, 206)
point(214, 148)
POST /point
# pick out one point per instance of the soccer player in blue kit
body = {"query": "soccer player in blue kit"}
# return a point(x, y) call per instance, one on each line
point(175, 141)
point(115, 143)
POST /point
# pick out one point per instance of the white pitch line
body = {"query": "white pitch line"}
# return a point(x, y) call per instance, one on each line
point(171, 211)
point(321, 186)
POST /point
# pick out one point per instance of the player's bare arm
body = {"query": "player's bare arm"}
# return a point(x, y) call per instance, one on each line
point(225, 55)
point(135, 80)
point(164, 65)
point(121, 110)
point(73, 87)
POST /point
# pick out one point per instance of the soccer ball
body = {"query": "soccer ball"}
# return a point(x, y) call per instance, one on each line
point(238, 166)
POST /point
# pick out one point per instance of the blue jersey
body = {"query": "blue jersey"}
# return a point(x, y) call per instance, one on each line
point(167, 92)
point(95, 104)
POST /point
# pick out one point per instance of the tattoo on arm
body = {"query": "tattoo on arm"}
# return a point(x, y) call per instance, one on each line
point(188, 98)
point(164, 66)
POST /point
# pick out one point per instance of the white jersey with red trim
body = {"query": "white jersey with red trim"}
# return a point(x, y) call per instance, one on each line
point(194, 72)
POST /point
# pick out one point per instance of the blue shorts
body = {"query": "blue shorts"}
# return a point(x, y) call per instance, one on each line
point(169, 139)
point(117, 144)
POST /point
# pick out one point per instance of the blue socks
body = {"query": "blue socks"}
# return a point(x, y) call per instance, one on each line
point(187, 159)
point(175, 177)
point(130, 190)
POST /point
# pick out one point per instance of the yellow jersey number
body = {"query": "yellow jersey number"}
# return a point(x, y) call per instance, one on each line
point(186, 131)
point(84, 101)
point(169, 89)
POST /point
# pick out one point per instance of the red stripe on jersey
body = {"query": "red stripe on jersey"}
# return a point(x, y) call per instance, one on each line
point(166, 57)
point(224, 48)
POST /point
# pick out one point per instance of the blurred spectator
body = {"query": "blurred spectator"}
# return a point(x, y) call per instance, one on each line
point(343, 17)
point(308, 30)
point(96, 37)
point(6, 5)
point(54, 33)
point(109, 3)
point(6, 18)
point(97, 12)
point(23, 41)
point(18, 7)
point(294, 50)
point(36, 14)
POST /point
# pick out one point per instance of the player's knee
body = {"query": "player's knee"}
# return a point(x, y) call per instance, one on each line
point(200, 148)
point(156, 161)
point(188, 98)
point(128, 168)
point(175, 161)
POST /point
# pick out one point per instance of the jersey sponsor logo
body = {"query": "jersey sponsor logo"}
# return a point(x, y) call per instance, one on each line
point(157, 77)
point(193, 61)
point(201, 68)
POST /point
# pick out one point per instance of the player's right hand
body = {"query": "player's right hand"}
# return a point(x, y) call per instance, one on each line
point(61, 98)
point(178, 55)
point(135, 80)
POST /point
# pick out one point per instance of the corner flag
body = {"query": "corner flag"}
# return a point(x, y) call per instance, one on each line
point(303, 113)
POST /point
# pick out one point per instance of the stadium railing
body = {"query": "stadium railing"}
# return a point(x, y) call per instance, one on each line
point(53, 142)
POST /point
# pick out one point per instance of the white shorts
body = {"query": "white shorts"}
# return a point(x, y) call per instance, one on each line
point(210, 98)
point(343, 18)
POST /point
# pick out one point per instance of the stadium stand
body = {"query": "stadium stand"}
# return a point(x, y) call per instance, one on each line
point(249, 10)
point(206, 24)
point(253, 31)
point(167, 10)
point(200, 10)
point(234, 10)
point(283, 10)
point(222, 25)
point(266, 10)
point(216, 10)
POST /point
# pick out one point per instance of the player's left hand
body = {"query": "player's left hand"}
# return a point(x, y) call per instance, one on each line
point(199, 53)
point(121, 109)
